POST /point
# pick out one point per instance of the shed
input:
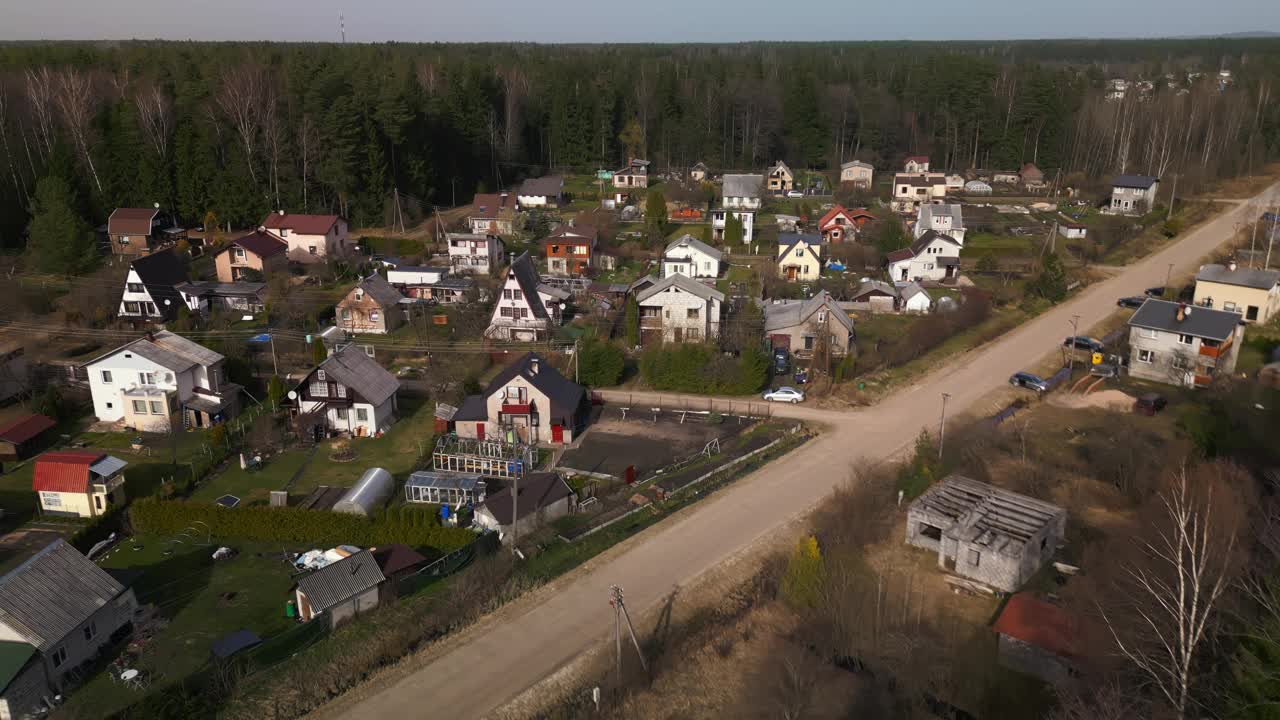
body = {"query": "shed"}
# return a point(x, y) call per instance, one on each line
point(19, 438)
point(342, 589)
point(1037, 638)
point(370, 493)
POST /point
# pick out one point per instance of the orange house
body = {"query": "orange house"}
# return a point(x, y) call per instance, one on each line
point(570, 250)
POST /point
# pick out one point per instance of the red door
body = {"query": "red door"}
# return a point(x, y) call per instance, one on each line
point(480, 431)
point(557, 434)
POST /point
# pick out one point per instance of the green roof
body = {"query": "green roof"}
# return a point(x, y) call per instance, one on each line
point(13, 657)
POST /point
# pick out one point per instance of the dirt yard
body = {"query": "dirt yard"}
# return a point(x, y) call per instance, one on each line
point(612, 444)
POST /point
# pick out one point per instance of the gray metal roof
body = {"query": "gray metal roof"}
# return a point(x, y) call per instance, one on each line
point(351, 367)
point(743, 186)
point(377, 287)
point(107, 466)
point(781, 316)
point(1141, 182)
point(681, 282)
point(690, 241)
point(910, 290)
point(930, 211)
point(537, 491)
point(856, 163)
point(341, 581)
point(54, 592)
point(549, 186)
point(1244, 277)
point(527, 277)
point(202, 288)
point(1201, 322)
point(167, 350)
point(874, 285)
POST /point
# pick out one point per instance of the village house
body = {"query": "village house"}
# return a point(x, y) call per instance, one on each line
point(494, 214)
point(529, 402)
point(1073, 230)
point(912, 189)
point(347, 393)
point(837, 225)
point(799, 256)
point(874, 296)
point(857, 173)
point(311, 238)
point(203, 297)
point(799, 325)
point(540, 498)
point(690, 256)
point(1182, 344)
point(947, 219)
point(527, 310)
point(742, 192)
point(21, 437)
point(570, 249)
point(1037, 638)
point(149, 288)
point(914, 299)
point(543, 192)
point(134, 231)
point(933, 256)
point(720, 220)
point(985, 533)
point(634, 175)
point(406, 276)
point(1133, 194)
point(916, 164)
point(780, 178)
point(445, 291)
point(339, 591)
point(58, 609)
point(955, 183)
point(78, 483)
point(472, 253)
point(1254, 293)
point(678, 309)
point(698, 173)
point(252, 258)
point(142, 382)
point(372, 307)
point(1031, 176)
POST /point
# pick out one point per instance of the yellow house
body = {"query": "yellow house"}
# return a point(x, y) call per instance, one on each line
point(799, 256)
point(1252, 293)
point(78, 483)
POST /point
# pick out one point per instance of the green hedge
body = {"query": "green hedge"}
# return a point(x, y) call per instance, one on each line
point(410, 526)
point(703, 369)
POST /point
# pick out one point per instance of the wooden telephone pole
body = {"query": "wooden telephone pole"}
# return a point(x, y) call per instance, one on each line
point(620, 615)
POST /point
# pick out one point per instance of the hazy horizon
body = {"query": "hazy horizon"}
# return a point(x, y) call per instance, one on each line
point(660, 21)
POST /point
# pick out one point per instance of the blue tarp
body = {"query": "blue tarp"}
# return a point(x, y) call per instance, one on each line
point(261, 338)
point(230, 644)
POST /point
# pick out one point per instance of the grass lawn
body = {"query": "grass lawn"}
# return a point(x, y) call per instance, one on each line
point(979, 244)
point(739, 274)
point(202, 601)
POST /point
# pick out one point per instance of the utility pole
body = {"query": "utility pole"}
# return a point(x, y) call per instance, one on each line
point(620, 614)
point(575, 362)
point(1253, 243)
point(1071, 353)
point(942, 425)
point(275, 364)
point(1271, 237)
point(1168, 276)
point(515, 515)
point(1172, 195)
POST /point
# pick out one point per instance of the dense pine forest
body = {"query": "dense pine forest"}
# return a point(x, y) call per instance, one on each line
point(230, 131)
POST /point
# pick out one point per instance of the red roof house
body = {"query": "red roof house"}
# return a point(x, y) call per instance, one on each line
point(17, 437)
point(83, 483)
point(1037, 638)
point(838, 224)
point(301, 224)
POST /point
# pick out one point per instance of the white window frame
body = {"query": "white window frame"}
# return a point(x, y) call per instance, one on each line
point(362, 414)
point(139, 410)
point(1148, 333)
point(1186, 339)
point(106, 377)
point(1146, 356)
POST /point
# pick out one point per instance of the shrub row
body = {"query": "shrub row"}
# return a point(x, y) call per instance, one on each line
point(703, 369)
point(411, 527)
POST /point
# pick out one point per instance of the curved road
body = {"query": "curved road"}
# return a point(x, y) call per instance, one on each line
point(494, 663)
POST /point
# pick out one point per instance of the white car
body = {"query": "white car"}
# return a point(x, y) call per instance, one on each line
point(795, 194)
point(784, 394)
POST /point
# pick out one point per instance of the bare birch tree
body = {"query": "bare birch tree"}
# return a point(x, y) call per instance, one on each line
point(77, 103)
point(155, 117)
point(240, 97)
point(1159, 620)
point(40, 84)
point(308, 139)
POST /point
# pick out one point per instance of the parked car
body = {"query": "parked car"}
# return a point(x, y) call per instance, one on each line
point(781, 361)
point(795, 194)
point(1103, 370)
point(1082, 342)
point(1150, 404)
point(784, 394)
point(1133, 301)
point(1156, 292)
point(1029, 381)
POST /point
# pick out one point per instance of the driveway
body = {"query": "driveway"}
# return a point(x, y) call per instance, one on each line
point(492, 664)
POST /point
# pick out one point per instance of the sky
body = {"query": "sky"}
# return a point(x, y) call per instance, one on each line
point(576, 21)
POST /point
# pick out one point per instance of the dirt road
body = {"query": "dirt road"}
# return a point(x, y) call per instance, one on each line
point(494, 663)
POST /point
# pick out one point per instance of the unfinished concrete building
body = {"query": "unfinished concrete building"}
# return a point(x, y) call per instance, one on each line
point(984, 533)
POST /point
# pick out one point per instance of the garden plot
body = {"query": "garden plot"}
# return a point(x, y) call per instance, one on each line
point(645, 440)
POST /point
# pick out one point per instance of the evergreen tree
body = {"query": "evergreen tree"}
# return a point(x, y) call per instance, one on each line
point(655, 212)
point(1051, 282)
point(319, 353)
point(733, 230)
point(60, 240)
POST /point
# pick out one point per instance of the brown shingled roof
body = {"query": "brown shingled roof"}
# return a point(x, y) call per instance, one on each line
point(301, 224)
point(131, 221)
point(260, 243)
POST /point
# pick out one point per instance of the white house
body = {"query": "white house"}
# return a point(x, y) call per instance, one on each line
point(742, 192)
point(540, 498)
point(471, 253)
point(347, 393)
point(857, 173)
point(911, 189)
point(933, 256)
point(1133, 194)
point(634, 175)
point(311, 238)
point(916, 164)
point(955, 183)
point(149, 289)
point(540, 192)
point(143, 382)
point(407, 275)
point(692, 257)
point(527, 310)
point(678, 308)
point(528, 401)
point(1183, 344)
point(914, 299)
point(720, 218)
point(947, 219)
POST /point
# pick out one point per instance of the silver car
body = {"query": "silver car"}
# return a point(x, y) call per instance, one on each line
point(784, 394)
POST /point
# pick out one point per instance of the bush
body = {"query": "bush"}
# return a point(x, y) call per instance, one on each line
point(406, 525)
point(600, 363)
point(802, 583)
point(701, 369)
point(1172, 227)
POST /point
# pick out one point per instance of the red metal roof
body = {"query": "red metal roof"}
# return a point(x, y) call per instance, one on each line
point(64, 471)
point(302, 224)
point(831, 215)
point(1036, 622)
point(25, 428)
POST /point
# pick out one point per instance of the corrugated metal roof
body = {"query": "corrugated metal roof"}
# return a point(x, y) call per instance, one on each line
point(108, 465)
point(690, 241)
point(684, 283)
point(1244, 277)
point(53, 593)
point(64, 471)
point(341, 581)
point(351, 367)
point(25, 428)
point(743, 185)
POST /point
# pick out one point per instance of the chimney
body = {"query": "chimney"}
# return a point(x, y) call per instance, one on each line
point(533, 365)
point(1182, 312)
point(280, 212)
point(1231, 265)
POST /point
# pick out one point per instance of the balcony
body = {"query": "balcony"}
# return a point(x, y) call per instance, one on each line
point(1210, 352)
point(651, 323)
